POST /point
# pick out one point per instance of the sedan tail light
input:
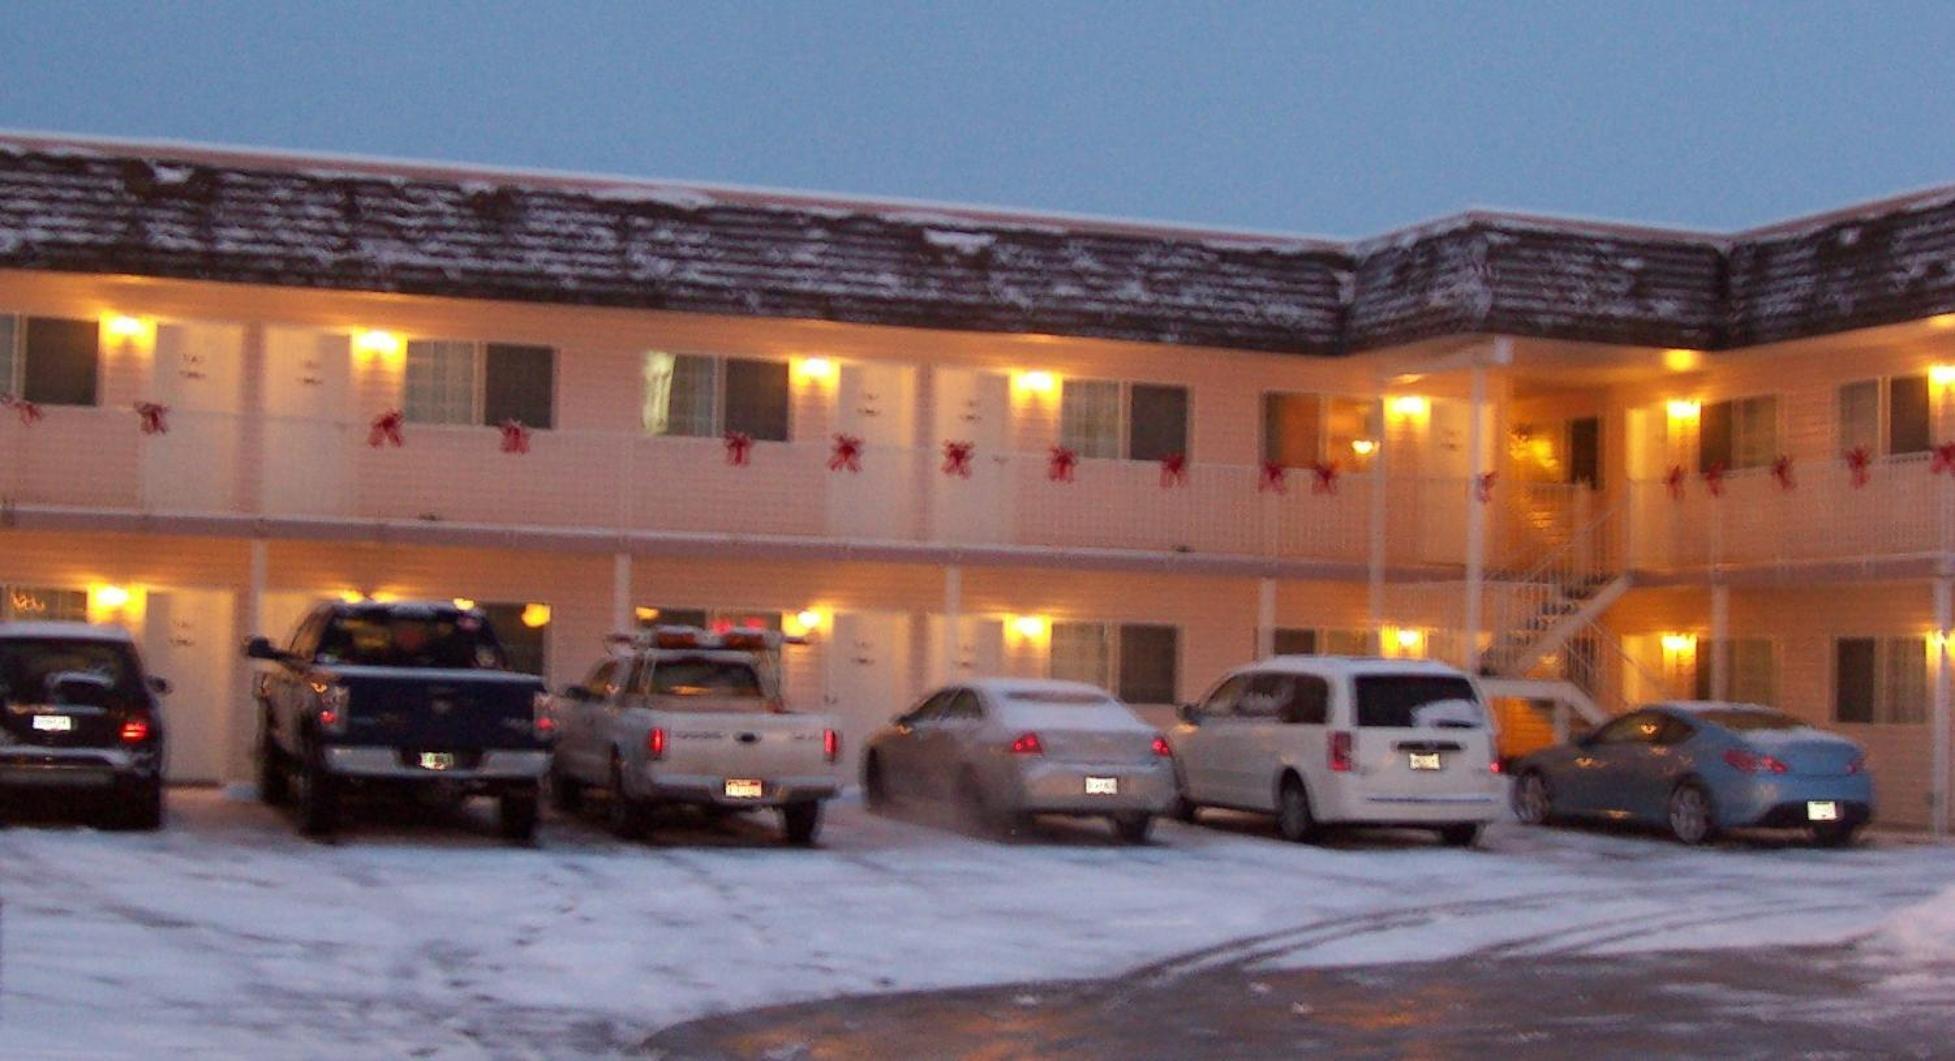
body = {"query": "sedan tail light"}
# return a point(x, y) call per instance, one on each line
point(1162, 749)
point(1027, 744)
point(831, 745)
point(1340, 752)
point(135, 729)
point(655, 742)
point(1753, 762)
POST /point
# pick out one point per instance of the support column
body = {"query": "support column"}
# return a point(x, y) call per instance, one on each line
point(1380, 512)
point(250, 619)
point(1938, 786)
point(1265, 618)
point(620, 592)
point(953, 614)
point(1720, 641)
point(1476, 517)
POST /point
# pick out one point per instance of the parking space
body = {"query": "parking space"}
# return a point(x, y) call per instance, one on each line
point(228, 932)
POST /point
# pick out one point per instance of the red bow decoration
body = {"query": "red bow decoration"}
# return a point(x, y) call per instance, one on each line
point(957, 458)
point(1714, 479)
point(1782, 471)
point(1324, 479)
point(1674, 481)
point(739, 448)
point(154, 417)
point(386, 429)
point(1273, 478)
point(1483, 486)
point(847, 454)
point(515, 437)
point(1944, 459)
point(1174, 470)
point(29, 412)
point(1857, 461)
point(1059, 467)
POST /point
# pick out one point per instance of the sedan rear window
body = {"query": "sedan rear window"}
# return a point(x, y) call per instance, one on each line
point(1417, 701)
point(1748, 721)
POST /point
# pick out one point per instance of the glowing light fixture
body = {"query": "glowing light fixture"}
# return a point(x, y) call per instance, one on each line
point(1942, 375)
point(1680, 360)
point(1037, 382)
point(1683, 408)
point(125, 328)
point(1410, 406)
point(1679, 644)
point(1031, 626)
point(1943, 321)
point(536, 616)
point(351, 596)
point(815, 369)
point(644, 614)
point(465, 604)
point(1364, 447)
point(108, 597)
point(809, 618)
point(377, 343)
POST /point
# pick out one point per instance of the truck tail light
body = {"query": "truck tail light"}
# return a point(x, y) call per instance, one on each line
point(831, 744)
point(1340, 752)
point(135, 729)
point(1027, 744)
point(655, 742)
point(543, 715)
point(333, 701)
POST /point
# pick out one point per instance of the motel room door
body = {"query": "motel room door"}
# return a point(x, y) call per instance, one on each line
point(868, 662)
point(192, 466)
point(876, 403)
point(973, 407)
point(979, 651)
point(309, 432)
point(187, 638)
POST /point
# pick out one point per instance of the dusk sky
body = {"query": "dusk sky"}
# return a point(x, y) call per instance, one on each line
point(1334, 118)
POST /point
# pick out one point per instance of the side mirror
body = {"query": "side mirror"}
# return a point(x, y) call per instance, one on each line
point(262, 648)
point(579, 694)
point(1186, 713)
point(159, 685)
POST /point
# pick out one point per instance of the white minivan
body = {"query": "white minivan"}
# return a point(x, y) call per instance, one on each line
point(1334, 740)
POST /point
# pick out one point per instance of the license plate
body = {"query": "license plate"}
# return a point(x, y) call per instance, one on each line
point(437, 760)
point(743, 789)
point(1822, 810)
point(1102, 786)
point(1425, 761)
point(54, 723)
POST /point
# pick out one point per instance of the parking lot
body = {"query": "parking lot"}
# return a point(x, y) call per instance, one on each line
point(227, 932)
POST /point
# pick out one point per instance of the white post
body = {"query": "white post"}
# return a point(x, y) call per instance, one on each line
point(1380, 497)
point(250, 620)
point(953, 616)
point(1476, 515)
point(1265, 618)
point(1938, 791)
point(621, 592)
point(1720, 641)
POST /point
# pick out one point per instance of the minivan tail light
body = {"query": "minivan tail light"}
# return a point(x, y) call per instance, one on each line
point(655, 742)
point(1340, 752)
point(1162, 749)
point(1753, 762)
point(831, 745)
point(1027, 744)
point(135, 730)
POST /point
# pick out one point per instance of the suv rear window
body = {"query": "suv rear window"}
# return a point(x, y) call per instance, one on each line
point(26, 664)
point(718, 679)
point(1415, 701)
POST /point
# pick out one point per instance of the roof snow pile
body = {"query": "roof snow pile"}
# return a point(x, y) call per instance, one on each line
point(1924, 932)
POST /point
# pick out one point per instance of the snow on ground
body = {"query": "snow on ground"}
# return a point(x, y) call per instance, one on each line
point(227, 934)
point(1923, 932)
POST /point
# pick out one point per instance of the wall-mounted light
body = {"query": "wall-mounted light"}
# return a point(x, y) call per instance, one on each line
point(1364, 447)
point(109, 603)
point(1941, 375)
point(351, 596)
point(814, 369)
point(376, 343)
point(536, 616)
point(107, 596)
point(1683, 408)
point(1031, 627)
point(465, 604)
point(1409, 406)
point(1679, 643)
point(1681, 360)
point(127, 329)
point(644, 614)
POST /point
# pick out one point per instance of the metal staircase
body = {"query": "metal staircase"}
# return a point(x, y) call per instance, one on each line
point(1540, 612)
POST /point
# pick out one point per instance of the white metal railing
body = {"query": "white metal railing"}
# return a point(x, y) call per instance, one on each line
point(1528, 604)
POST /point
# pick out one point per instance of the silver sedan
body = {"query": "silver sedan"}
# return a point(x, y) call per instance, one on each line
point(1001, 750)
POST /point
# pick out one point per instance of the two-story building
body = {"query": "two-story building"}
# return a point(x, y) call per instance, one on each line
point(1598, 464)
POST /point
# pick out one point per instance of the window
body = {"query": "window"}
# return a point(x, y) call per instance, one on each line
point(1741, 433)
point(1290, 698)
point(1349, 643)
point(29, 602)
point(1641, 727)
point(1752, 670)
point(1300, 430)
point(1585, 451)
point(695, 396)
point(1140, 662)
point(49, 361)
point(1109, 420)
point(964, 706)
point(703, 677)
point(1295, 642)
point(459, 382)
point(1221, 702)
point(1886, 420)
point(1404, 701)
point(1880, 680)
point(603, 680)
point(524, 645)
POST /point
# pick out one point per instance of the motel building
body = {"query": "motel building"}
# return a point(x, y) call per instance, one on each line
point(1597, 463)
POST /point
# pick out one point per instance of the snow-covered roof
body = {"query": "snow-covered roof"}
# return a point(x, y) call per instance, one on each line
point(1335, 666)
point(1700, 706)
point(1036, 687)
point(75, 631)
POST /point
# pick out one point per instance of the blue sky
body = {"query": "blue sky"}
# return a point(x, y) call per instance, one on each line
point(1333, 118)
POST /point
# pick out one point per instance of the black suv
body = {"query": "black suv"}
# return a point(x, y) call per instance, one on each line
point(78, 715)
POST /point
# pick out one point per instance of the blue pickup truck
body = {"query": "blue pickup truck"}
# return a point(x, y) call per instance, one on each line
point(403, 695)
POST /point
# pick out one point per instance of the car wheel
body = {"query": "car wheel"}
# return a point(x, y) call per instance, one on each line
point(566, 795)
point(1293, 815)
point(517, 814)
point(1465, 834)
point(1133, 828)
point(1533, 804)
point(1834, 834)
point(875, 789)
point(274, 777)
point(1690, 814)
point(626, 815)
point(318, 797)
point(801, 822)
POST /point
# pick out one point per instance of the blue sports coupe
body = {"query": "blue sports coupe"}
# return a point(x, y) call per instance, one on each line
point(1700, 766)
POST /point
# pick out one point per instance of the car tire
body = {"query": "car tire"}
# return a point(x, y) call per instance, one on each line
point(1184, 811)
point(801, 822)
point(875, 790)
point(319, 808)
point(1834, 834)
point(1532, 800)
point(1690, 815)
point(1294, 818)
point(274, 776)
point(625, 814)
point(566, 794)
point(516, 815)
point(1464, 834)
point(1133, 828)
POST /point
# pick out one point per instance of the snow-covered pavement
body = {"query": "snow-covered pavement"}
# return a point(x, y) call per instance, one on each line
point(228, 934)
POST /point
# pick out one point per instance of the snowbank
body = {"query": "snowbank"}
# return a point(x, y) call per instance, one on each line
point(1924, 932)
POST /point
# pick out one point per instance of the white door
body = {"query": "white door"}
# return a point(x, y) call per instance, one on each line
point(1445, 466)
point(876, 403)
point(187, 639)
point(310, 432)
point(974, 407)
point(868, 659)
point(978, 652)
point(192, 466)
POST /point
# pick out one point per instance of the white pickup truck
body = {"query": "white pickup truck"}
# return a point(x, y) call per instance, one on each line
point(683, 715)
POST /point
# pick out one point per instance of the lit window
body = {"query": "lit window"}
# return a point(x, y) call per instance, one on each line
point(460, 382)
point(1110, 420)
point(695, 396)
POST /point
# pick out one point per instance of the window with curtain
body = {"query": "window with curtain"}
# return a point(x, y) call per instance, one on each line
point(1737, 434)
point(58, 361)
point(1089, 418)
point(519, 383)
point(1080, 652)
point(41, 603)
point(1300, 429)
point(1752, 670)
point(1110, 420)
point(440, 382)
point(9, 357)
point(1886, 417)
point(1880, 680)
point(698, 396)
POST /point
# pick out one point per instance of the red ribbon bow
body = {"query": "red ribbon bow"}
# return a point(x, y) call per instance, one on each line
point(957, 458)
point(1059, 466)
point(1944, 459)
point(739, 448)
point(1273, 478)
point(1674, 480)
point(1714, 479)
point(1483, 486)
point(515, 437)
point(1857, 461)
point(386, 429)
point(1174, 470)
point(154, 417)
point(1782, 471)
point(29, 412)
point(1324, 479)
point(847, 454)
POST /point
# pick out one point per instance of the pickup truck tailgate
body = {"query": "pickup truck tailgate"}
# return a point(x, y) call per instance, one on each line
point(439, 710)
point(745, 744)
